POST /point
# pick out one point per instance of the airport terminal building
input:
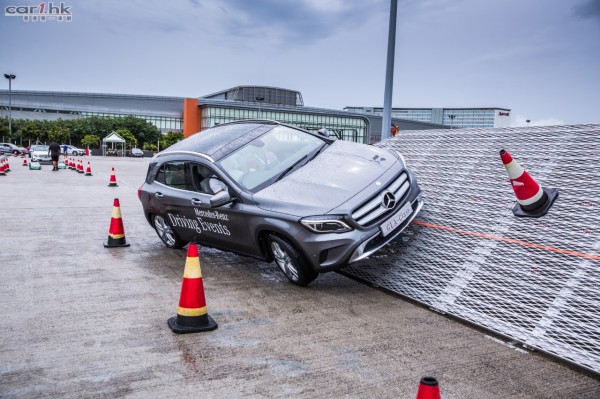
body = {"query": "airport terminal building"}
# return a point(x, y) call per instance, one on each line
point(472, 118)
point(192, 115)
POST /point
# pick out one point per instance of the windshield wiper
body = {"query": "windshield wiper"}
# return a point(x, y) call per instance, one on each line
point(288, 170)
point(318, 152)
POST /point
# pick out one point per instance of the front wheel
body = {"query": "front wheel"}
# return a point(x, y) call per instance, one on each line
point(290, 261)
point(166, 234)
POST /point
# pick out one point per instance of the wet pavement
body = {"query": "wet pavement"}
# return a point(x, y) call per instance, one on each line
point(81, 320)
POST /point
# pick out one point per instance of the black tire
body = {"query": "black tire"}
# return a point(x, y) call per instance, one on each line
point(165, 232)
point(290, 261)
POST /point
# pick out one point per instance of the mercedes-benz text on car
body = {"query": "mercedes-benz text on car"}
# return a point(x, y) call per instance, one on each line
point(277, 192)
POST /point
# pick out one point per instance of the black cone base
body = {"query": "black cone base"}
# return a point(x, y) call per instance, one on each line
point(115, 242)
point(211, 325)
point(552, 195)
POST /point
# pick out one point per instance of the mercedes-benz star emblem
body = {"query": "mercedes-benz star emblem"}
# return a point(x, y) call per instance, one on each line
point(388, 200)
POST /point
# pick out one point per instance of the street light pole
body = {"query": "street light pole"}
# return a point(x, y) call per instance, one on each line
point(10, 77)
point(386, 119)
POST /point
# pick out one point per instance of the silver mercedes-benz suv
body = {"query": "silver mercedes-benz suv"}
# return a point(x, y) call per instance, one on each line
point(277, 192)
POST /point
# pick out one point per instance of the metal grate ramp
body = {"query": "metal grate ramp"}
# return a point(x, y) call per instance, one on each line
point(534, 280)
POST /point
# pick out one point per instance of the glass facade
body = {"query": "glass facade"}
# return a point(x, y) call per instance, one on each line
point(340, 127)
point(469, 118)
point(164, 123)
point(455, 117)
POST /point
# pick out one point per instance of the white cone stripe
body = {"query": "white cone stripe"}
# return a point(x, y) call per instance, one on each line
point(533, 199)
point(514, 169)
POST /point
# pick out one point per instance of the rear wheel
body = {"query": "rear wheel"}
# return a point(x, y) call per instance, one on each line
point(290, 261)
point(166, 234)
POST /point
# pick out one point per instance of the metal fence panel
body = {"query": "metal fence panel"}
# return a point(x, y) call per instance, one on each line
point(534, 280)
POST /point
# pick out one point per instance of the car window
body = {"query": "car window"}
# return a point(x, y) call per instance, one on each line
point(259, 163)
point(174, 174)
point(201, 176)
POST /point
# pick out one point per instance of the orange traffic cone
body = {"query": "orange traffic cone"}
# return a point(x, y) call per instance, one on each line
point(88, 171)
point(192, 315)
point(113, 179)
point(25, 162)
point(116, 232)
point(428, 389)
point(532, 199)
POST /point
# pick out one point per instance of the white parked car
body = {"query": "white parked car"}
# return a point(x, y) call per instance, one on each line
point(39, 153)
point(72, 150)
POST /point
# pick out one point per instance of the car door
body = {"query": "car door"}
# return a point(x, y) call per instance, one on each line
point(173, 196)
point(222, 227)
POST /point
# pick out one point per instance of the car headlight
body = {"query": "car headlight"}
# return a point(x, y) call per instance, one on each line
point(325, 224)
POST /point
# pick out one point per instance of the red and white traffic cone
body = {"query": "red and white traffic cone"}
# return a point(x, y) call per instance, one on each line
point(6, 165)
point(88, 171)
point(116, 232)
point(2, 167)
point(113, 179)
point(25, 162)
point(80, 167)
point(192, 314)
point(428, 389)
point(532, 199)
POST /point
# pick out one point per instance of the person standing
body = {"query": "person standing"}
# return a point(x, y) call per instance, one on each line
point(54, 152)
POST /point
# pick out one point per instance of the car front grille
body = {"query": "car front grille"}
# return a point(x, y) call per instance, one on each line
point(374, 209)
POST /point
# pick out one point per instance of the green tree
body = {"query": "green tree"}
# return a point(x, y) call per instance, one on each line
point(33, 130)
point(59, 133)
point(171, 138)
point(130, 140)
point(90, 140)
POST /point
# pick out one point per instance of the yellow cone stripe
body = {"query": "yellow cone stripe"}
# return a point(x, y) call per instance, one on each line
point(116, 212)
point(192, 268)
point(192, 312)
point(116, 236)
point(514, 169)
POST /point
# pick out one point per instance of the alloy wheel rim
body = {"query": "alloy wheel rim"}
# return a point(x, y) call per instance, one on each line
point(164, 230)
point(283, 260)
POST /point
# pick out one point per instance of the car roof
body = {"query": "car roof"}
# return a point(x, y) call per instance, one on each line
point(222, 140)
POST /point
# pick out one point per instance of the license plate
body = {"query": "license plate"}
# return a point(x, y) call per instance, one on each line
point(396, 220)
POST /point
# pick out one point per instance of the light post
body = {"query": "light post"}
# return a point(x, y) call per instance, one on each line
point(259, 100)
point(10, 77)
point(451, 120)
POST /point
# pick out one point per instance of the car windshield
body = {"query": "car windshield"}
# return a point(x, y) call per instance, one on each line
point(40, 148)
point(269, 157)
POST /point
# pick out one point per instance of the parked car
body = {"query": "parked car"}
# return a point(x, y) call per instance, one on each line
point(39, 153)
point(310, 203)
point(135, 152)
point(72, 150)
point(10, 148)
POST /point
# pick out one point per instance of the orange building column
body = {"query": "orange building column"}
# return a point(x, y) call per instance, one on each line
point(191, 117)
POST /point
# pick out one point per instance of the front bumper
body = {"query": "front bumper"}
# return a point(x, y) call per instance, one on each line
point(40, 159)
point(329, 252)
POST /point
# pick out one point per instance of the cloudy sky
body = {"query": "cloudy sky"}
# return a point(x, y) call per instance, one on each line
point(540, 58)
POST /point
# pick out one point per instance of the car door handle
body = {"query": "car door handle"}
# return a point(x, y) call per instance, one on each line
point(196, 201)
point(158, 195)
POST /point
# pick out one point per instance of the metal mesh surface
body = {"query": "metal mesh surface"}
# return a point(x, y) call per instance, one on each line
point(534, 280)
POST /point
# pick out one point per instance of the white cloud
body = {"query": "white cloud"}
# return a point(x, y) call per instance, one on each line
point(520, 120)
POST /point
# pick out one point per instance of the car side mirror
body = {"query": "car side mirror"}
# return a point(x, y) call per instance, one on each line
point(220, 199)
